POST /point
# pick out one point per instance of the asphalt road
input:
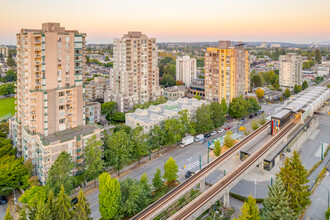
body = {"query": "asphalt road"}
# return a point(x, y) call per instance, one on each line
point(319, 201)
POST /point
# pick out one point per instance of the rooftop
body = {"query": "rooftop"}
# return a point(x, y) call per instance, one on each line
point(69, 134)
point(175, 89)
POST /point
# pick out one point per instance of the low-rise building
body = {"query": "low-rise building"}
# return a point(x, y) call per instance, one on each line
point(96, 89)
point(154, 115)
point(174, 92)
point(197, 87)
point(93, 112)
point(322, 71)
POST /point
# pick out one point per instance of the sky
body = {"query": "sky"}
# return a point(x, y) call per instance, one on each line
point(296, 21)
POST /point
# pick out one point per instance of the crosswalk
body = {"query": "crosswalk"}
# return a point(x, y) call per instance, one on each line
point(192, 167)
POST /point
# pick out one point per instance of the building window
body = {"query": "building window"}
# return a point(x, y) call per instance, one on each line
point(61, 94)
point(61, 107)
point(61, 121)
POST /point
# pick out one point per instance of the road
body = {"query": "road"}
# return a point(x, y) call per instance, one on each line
point(188, 156)
point(319, 201)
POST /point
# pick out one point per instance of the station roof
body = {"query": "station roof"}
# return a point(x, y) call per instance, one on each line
point(282, 113)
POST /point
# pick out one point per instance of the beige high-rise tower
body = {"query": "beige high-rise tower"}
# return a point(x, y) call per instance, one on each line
point(50, 115)
point(135, 75)
point(226, 72)
point(290, 70)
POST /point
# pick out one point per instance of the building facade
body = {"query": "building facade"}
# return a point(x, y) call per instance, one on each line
point(174, 92)
point(50, 115)
point(196, 88)
point(96, 89)
point(154, 115)
point(3, 51)
point(290, 72)
point(186, 70)
point(226, 72)
point(135, 75)
point(93, 112)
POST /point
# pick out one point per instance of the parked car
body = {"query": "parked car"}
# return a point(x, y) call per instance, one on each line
point(213, 133)
point(189, 174)
point(256, 114)
point(221, 130)
point(251, 116)
point(207, 135)
point(228, 127)
point(261, 111)
point(3, 200)
point(74, 201)
point(242, 121)
point(199, 137)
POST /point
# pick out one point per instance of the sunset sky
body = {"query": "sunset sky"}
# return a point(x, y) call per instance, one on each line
point(298, 21)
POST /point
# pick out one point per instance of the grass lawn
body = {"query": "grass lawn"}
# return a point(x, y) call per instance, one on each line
point(7, 105)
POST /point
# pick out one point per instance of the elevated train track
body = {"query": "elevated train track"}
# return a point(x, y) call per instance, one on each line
point(157, 207)
point(193, 209)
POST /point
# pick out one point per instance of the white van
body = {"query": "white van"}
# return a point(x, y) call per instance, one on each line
point(199, 137)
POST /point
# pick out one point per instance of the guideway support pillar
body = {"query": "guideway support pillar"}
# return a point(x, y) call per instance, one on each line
point(226, 200)
point(202, 185)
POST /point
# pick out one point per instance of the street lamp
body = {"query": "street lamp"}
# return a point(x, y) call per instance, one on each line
point(255, 188)
point(328, 193)
point(15, 203)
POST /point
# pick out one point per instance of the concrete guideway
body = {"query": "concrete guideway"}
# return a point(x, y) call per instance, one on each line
point(222, 188)
point(156, 208)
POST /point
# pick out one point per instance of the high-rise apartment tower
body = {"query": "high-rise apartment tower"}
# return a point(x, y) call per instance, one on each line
point(50, 115)
point(290, 72)
point(226, 72)
point(186, 70)
point(135, 75)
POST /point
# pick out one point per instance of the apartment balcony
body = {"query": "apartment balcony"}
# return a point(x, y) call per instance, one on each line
point(37, 49)
point(37, 42)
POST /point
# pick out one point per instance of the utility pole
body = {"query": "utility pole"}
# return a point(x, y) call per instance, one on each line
point(208, 152)
point(321, 150)
point(200, 162)
point(237, 126)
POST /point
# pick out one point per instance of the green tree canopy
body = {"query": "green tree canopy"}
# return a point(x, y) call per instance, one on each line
point(304, 85)
point(249, 210)
point(63, 206)
point(117, 150)
point(318, 56)
point(287, 93)
point(224, 106)
point(107, 108)
point(7, 89)
point(38, 193)
point(203, 118)
point(93, 162)
point(140, 146)
point(238, 107)
point(109, 197)
point(82, 209)
point(276, 205)
point(218, 116)
point(228, 139)
point(157, 181)
point(60, 174)
point(171, 170)
point(217, 148)
point(294, 177)
point(256, 80)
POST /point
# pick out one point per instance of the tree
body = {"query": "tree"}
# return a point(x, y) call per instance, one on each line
point(203, 119)
point(253, 105)
point(22, 214)
point(60, 174)
point(296, 89)
point(294, 177)
point(117, 150)
point(13, 174)
point(249, 210)
point(318, 56)
point(170, 171)
point(287, 93)
point(327, 213)
point(217, 116)
point(299, 88)
point(11, 62)
point(107, 108)
point(167, 80)
point(174, 130)
point(238, 107)
point(63, 207)
point(270, 77)
point(93, 162)
point(304, 85)
point(256, 80)
point(8, 216)
point(276, 204)
point(197, 96)
point(88, 61)
point(140, 147)
point(41, 211)
point(306, 65)
point(106, 58)
point(7, 89)
point(224, 107)
point(117, 116)
point(82, 209)
point(144, 183)
point(185, 120)
point(50, 205)
point(109, 197)
point(228, 139)
point(157, 181)
point(156, 135)
point(35, 193)
point(260, 92)
point(132, 196)
point(254, 125)
point(217, 148)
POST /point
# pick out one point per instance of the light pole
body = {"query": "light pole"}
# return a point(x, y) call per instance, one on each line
point(208, 152)
point(15, 203)
point(237, 126)
point(321, 150)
